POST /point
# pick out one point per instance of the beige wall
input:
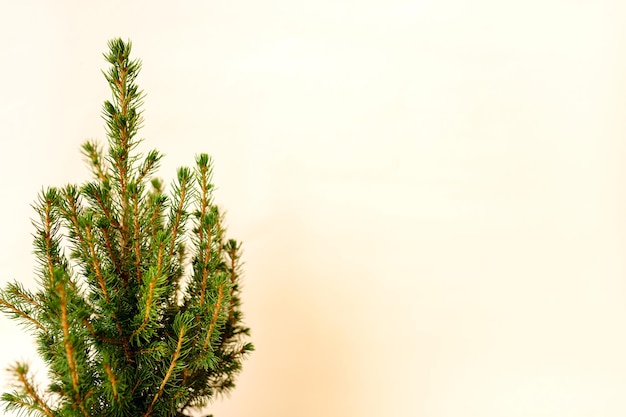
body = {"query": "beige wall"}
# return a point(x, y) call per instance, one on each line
point(430, 193)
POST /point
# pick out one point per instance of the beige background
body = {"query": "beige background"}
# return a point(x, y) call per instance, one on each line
point(431, 193)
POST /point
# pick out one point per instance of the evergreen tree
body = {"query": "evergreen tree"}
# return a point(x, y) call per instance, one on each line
point(136, 312)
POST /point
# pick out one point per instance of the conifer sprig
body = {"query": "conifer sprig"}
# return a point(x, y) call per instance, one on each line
point(123, 329)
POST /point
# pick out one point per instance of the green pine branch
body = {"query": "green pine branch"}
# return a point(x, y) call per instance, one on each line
point(124, 327)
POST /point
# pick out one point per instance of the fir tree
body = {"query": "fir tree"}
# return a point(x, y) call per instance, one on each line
point(136, 311)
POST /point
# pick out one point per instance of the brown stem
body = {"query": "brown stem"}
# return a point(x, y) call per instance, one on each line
point(112, 380)
point(146, 317)
point(179, 214)
point(30, 390)
point(170, 370)
point(96, 263)
point(218, 305)
point(21, 313)
point(137, 238)
point(69, 351)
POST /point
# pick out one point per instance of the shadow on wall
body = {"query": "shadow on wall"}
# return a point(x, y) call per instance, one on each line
point(302, 363)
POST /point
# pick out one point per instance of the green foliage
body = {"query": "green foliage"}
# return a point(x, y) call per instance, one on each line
point(125, 325)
